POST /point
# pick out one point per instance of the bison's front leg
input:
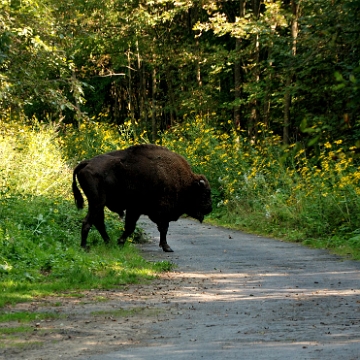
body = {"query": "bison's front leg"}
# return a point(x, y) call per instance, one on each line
point(163, 228)
point(131, 219)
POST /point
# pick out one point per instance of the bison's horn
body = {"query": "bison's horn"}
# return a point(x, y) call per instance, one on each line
point(202, 182)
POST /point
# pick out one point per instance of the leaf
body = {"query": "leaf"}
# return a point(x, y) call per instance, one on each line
point(314, 141)
point(5, 268)
point(305, 129)
point(352, 78)
point(338, 76)
point(29, 277)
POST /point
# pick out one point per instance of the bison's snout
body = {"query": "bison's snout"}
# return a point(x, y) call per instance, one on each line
point(207, 207)
point(205, 210)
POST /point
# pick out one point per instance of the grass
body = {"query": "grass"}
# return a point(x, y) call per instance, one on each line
point(294, 193)
point(40, 252)
point(27, 316)
point(15, 330)
point(10, 335)
point(258, 186)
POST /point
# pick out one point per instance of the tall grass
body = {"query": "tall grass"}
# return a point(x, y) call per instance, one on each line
point(40, 227)
point(259, 185)
point(264, 187)
point(32, 162)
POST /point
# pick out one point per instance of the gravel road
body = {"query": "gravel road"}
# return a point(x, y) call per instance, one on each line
point(241, 296)
point(231, 296)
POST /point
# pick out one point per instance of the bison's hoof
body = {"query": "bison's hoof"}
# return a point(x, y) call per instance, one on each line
point(121, 243)
point(167, 248)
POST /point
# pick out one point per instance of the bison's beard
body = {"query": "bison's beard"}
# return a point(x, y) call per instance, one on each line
point(198, 216)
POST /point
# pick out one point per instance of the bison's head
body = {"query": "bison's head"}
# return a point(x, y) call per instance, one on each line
point(200, 203)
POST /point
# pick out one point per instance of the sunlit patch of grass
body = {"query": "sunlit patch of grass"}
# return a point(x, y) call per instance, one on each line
point(40, 252)
point(27, 316)
point(15, 330)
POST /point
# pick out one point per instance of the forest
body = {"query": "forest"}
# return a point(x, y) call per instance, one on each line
point(288, 66)
point(261, 96)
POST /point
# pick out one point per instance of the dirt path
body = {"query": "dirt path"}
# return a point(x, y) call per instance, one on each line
point(232, 296)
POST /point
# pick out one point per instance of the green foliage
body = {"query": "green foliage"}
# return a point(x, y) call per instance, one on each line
point(32, 162)
point(164, 266)
point(26, 317)
point(33, 69)
point(270, 189)
point(40, 250)
point(93, 138)
point(157, 63)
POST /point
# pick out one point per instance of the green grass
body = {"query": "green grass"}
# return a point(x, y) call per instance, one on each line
point(40, 253)
point(27, 316)
point(15, 330)
point(22, 345)
point(259, 187)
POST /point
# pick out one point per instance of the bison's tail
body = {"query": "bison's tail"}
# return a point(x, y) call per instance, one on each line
point(79, 200)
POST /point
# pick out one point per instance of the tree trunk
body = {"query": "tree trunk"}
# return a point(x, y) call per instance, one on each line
point(130, 103)
point(237, 73)
point(140, 85)
point(254, 114)
point(269, 79)
point(76, 93)
point(153, 110)
point(295, 6)
point(171, 95)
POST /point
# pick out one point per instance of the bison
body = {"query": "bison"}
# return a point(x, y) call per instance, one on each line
point(140, 180)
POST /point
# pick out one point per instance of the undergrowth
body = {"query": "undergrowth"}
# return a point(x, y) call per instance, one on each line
point(259, 186)
point(40, 226)
point(295, 192)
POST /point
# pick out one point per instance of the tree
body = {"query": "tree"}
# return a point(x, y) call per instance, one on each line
point(295, 11)
point(33, 70)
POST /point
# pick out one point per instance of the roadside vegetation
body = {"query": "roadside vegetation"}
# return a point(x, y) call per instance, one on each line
point(40, 250)
point(260, 96)
point(293, 192)
point(260, 187)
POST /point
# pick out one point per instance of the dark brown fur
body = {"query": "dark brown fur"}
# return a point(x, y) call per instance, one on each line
point(142, 179)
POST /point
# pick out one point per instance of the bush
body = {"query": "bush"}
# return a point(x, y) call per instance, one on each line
point(262, 186)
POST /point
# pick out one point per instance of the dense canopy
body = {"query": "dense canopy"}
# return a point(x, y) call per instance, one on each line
point(292, 66)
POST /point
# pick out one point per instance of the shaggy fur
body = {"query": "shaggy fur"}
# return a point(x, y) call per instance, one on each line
point(142, 179)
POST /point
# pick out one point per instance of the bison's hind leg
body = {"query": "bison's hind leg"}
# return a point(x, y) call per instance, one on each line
point(95, 217)
point(99, 223)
